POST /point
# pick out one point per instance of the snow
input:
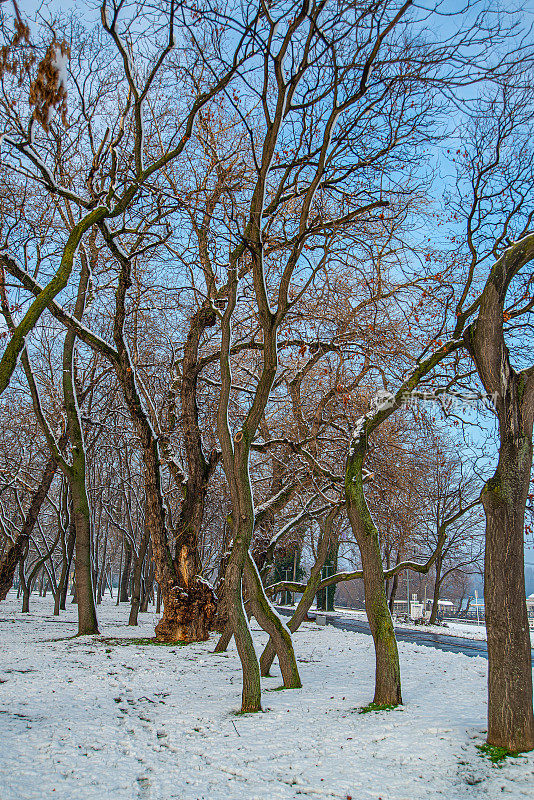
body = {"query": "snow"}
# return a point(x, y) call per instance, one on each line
point(59, 63)
point(90, 718)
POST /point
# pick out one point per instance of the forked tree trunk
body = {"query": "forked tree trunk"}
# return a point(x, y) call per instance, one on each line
point(237, 619)
point(68, 551)
point(510, 714)
point(305, 603)
point(271, 623)
point(258, 606)
point(188, 612)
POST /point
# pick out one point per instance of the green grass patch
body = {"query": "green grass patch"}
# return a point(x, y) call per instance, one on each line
point(144, 642)
point(278, 689)
point(246, 713)
point(377, 707)
point(497, 755)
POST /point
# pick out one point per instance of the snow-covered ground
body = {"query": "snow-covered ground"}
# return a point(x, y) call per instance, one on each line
point(92, 718)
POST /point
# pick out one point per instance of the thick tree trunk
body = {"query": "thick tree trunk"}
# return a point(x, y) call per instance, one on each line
point(87, 619)
point(510, 718)
point(510, 714)
point(193, 601)
point(187, 612)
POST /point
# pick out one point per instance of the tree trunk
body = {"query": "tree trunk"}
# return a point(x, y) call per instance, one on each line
point(59, 599)
point(196, 609)
point(510, 714)
point(394, 584)
point(437, 587)
point(271, 623)
point(87, 620)
point(305, 602)
point(71, 540)
point(14, 552)
point(187, 613)
point(126, 567)
point(25, 586)
point(225, 639)
point(393, 593)
point(510, 718)
point(387, 672)
point(237, 619)
point(76, 472)
point(102, 576)
point(136, 587)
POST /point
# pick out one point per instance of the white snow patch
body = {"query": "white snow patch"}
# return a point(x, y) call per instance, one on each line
point(90, 719)
point(59, 63)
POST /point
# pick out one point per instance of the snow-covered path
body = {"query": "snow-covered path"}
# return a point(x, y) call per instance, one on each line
point(93, 718)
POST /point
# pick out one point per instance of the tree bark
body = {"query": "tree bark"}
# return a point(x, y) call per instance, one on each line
point(510, 713)
point(125, 574)
point(15, 551)
point(187, 612)
point(305, 602)
point(437, 587)
point(510, 719)
point(387, 671)
point(76, 473)
point(271, 623)
point(136, 585)
point(71, 539)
